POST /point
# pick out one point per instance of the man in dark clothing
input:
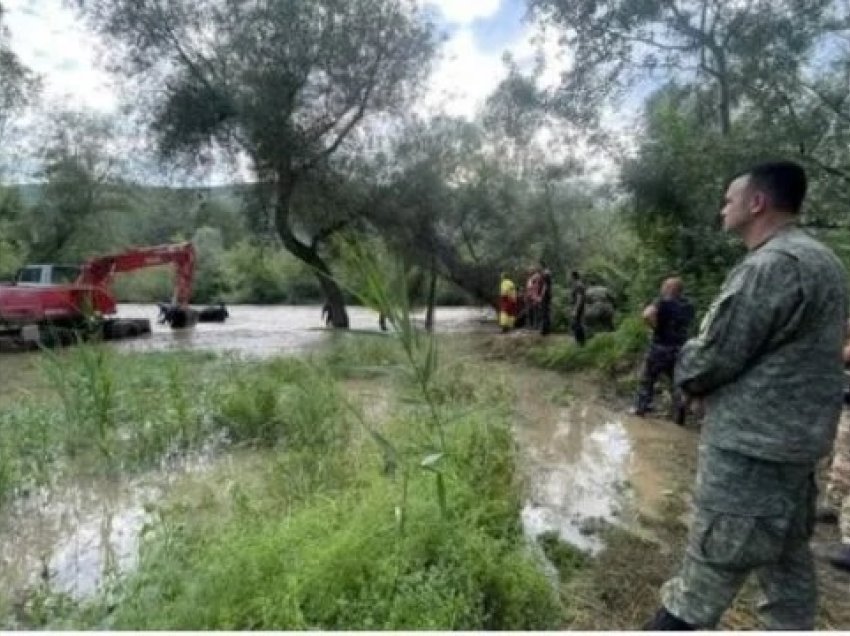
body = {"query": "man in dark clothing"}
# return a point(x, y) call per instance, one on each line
point(545, 296)
point(578, 302)
point(669, 316)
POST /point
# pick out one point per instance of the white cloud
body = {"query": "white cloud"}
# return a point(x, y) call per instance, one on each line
point(465, 11)
point(463, 77)
point(536, 42)
point(465, 74)
point(49, 39)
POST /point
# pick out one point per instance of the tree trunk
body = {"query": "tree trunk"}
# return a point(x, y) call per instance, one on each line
point(725, 93)
point(310, 256)
point(335, 300)
point(432, 299)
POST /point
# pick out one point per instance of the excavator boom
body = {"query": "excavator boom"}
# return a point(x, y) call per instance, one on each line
point(98, 272)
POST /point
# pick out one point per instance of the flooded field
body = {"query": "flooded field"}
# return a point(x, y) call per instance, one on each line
point(577, 456)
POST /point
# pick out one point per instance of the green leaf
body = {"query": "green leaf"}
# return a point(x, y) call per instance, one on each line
point(391, 455)
point(441, 494)
point(430, 461)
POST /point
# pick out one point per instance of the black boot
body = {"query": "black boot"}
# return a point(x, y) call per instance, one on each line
point(840, 558)
point(664, 621)
point(826, 514)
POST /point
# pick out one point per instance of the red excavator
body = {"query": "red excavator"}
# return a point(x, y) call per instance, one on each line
point(49, 302)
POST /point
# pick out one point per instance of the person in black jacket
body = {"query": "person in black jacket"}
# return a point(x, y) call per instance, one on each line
point(669, 316)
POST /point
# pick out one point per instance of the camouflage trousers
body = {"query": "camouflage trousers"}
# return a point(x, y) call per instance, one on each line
point(838, 486)
point(752, 517)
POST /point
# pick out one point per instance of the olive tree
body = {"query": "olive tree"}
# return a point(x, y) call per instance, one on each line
point(290, 85)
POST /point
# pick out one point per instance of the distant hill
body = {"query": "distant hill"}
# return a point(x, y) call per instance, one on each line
point(31, 193)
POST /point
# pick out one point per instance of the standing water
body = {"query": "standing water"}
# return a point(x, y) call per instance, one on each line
point(269, 330)
point(75, 537)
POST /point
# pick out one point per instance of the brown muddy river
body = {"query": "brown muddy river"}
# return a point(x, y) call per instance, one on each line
point(576, 457)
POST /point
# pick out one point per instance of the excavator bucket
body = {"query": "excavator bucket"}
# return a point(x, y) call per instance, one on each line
point(177, 317)
point(213, 313)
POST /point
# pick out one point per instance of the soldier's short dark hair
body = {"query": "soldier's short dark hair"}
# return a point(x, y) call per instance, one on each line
point(784, 181)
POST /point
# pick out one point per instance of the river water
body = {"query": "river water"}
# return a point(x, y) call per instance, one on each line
point(258, 330)
point(576, 457)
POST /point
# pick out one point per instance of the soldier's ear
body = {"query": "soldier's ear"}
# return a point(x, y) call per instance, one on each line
point(758, 202)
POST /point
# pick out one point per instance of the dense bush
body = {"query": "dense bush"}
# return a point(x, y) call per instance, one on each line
point(607, 352)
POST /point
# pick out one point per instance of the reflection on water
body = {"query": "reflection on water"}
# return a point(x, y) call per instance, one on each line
point(75, 537)
point(71, 538)
point(576, 463)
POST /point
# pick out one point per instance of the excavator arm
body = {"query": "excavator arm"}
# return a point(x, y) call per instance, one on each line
point(100, 271)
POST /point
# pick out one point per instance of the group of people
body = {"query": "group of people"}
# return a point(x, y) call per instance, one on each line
point(768, 367)
point(534, 306)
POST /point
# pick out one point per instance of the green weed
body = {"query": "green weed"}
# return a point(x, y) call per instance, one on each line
point(613, 352)
point(287, 401)
point(338, 561)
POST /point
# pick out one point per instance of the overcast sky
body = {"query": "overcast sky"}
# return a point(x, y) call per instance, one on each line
point(52, 41)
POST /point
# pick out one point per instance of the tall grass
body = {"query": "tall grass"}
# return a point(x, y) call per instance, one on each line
point(336, 558)
point(607, 352)
point(106, 412)
point(286, 400)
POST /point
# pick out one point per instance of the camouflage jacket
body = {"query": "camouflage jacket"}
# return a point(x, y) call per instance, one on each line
point(767, 359)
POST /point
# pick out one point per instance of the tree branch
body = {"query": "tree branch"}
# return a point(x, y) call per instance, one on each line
point(835, 108)
point(325, 233)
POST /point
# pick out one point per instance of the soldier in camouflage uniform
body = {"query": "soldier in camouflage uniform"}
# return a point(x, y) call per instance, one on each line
point(767, 365)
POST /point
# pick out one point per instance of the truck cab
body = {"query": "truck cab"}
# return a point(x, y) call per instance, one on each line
point(44, 274)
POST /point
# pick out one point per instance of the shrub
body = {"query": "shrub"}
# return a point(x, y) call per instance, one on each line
point(286, 401)
point(607, 352)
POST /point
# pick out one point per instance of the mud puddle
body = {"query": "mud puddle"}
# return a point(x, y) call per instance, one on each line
point(579, 459)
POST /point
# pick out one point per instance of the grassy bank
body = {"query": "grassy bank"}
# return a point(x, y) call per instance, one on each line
point(359, 522)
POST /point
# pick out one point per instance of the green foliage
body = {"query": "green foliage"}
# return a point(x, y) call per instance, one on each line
point(618, 41)
point(290, 100)
point(17, 82)
point(285, 401)
point(208, 284)
point(266, 274)
point(565, 557)
point(340, 565)
point(348, 558)
point(124, 411)
point(607, 352)
point(12, 248)
point(359, 356)
point(110, 412)
point(75, 217)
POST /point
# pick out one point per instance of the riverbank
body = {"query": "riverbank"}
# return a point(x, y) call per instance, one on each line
point(618, 589)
